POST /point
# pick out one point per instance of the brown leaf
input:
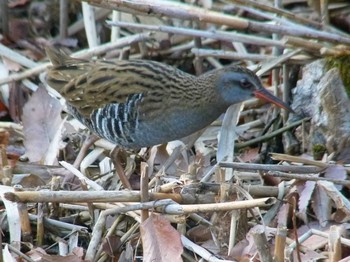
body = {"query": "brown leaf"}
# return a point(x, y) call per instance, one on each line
point(19, 28)
point(322, 206)
point(250, 155)
point(41, 123)
point(28, 180)
point(237, 250)
point(305, 197)
point(161, 242)
point(157, 157)
point(199, 233)
point(111, 245)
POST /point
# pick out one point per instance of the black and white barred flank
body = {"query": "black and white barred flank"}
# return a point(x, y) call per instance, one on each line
point(118, 122)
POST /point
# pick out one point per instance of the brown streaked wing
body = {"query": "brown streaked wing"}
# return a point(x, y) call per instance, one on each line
point(102, 85)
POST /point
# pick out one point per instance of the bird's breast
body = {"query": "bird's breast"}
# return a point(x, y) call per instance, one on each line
point(136, 124)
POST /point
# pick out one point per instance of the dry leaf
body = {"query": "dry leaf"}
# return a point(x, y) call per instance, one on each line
point(237, 250)
point(41, 122)
point(250, 155)
point(111, 245)
point(322, 206)
point(305, 197)
point(336, 198)
point(199, 233)
point(19, 28)
point(127, 254)
point(161, 242)
point(28, 180)
point(157, 157)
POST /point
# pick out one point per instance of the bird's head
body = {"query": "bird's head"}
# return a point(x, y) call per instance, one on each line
point(237, 84)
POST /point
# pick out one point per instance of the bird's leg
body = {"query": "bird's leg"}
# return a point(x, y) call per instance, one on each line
point(116, 159)
point(88, 142)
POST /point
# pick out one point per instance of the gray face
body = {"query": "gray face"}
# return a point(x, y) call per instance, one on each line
point(237, 86)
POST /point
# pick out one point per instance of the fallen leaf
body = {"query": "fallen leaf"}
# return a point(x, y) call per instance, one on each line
point(322, 206)
point(199, 233)
point(305, 197)
point(111, 245)
point(27, 180)
point(19, 28)
point(161, 242)
point(41, 122)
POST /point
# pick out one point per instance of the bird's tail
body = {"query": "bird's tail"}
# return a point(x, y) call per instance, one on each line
point(64, 68)
point(57, 57)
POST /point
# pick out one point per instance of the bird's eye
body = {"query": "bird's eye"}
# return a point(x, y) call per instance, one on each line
point(245, 83)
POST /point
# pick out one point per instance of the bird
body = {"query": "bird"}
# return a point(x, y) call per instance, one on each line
point(142, 103)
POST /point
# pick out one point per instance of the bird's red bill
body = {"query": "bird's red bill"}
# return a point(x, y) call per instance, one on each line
point(267, 96)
